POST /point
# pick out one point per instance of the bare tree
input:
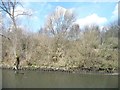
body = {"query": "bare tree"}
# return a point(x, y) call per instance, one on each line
point(60, 21)
point(9, 7)
point(57, 25)
point(74, 32)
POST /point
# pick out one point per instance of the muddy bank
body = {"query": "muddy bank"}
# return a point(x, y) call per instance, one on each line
point(91, 70)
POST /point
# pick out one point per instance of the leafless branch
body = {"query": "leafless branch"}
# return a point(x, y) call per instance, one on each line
point(5, 36)
point(24, 13)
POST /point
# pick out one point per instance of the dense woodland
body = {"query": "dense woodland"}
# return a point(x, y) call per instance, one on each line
point(60, 44)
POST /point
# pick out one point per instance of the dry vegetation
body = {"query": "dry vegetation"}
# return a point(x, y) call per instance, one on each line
point(62, 45)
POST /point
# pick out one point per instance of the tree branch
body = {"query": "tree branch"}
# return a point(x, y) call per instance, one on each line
point(5, 36)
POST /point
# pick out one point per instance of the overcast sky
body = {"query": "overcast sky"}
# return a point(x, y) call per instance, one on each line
point(99, 13)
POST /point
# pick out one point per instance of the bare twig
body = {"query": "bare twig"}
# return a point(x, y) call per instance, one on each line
point(5, 36)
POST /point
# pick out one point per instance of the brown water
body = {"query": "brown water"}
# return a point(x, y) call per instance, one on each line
point(40, 79)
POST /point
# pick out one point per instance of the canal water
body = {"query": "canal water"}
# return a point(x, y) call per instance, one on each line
point(44, 79)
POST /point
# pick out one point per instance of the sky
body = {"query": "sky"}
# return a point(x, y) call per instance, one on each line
point(100, 13)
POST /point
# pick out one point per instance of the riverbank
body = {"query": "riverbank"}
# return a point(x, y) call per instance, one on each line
point(66, 70)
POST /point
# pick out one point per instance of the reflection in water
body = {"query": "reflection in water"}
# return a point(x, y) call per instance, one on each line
point(39, 79)
point(0, 79)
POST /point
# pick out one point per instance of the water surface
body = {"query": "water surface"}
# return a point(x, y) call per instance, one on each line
point(41, 79)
